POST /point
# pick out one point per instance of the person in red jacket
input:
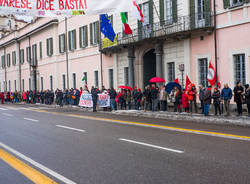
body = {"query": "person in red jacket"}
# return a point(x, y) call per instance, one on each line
point(2, 98)
point(185, 102)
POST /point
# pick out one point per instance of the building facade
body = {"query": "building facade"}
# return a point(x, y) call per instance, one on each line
point(177, 38)
point(37, 56)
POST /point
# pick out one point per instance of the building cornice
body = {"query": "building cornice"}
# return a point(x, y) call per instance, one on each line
point(30, 33)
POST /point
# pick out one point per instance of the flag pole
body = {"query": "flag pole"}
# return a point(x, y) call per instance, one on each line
point(67, 54)
point(100, 48)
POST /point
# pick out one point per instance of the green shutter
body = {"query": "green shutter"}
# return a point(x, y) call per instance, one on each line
point(174, 10)
point(91, 34)
point(51, 46)
point(98, 31)
point(246, 1)
point(226, 4)
point(139, 26)
point(47, 44)
point(80, 37)
point(192, 14)
point(70, 48)
point(151, 16)
point(60, 47)
point(208, 12)
point(41, 54)
point(86, 35)
point(162, 13)
point(74, 33)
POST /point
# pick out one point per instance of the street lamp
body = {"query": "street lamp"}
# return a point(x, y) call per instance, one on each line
point(182, 69)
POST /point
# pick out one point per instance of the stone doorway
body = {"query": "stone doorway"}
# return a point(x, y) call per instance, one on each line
point(149, 66)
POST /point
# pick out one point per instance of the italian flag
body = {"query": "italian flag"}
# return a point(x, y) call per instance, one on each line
point(127, 29)
point(137, 13)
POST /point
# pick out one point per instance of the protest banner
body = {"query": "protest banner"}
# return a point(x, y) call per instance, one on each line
point(86, 100)
point(55, 8)
point(103, 100)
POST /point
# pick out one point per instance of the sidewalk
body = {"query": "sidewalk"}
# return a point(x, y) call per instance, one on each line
point(199, 118)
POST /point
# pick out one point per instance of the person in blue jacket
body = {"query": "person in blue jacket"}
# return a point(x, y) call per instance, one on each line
point(226, 95)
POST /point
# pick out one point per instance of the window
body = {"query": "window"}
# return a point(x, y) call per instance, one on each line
point(201, 9)
point(34, 54)
point(145, 12)
point(8, 60)
point(15, 84)
point(96, 79)
point(171, 72)
point(28, 54)
point(9, 86)
point(23, 84)
point(22, 56)
point(85, 74)
point(203, 70)
point(236, 2)
point(3, 61)
point(41, 83)
point(62, 43)
point(239, 68)
point(9, 24)
point(63, 82)
point(41, 49)
point(74, 80)
point(72, 40)
point(126, 76)
point(49, 46)
point(169, 11)
point(94, 33)
point(29, 83)
point(111, 78)
point(51, 82)
point(83, 34)
point(14, 58)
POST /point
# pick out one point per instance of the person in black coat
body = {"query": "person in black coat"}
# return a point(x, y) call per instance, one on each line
point(247, 95)
point(94, 93)
point(216, 101)
point(238, 97)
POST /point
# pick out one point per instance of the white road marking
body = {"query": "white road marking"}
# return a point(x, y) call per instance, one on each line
point(151, 145)
point(3, 109)
point(28, 119)
point(36, 164)
point(6, 114)
point(70, 128)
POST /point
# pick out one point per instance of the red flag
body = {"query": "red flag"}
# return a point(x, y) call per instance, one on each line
point(176, 81)
point(211, 76)
point(188, 82)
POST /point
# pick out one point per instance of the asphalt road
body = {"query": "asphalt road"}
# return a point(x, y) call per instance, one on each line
point(86, 148)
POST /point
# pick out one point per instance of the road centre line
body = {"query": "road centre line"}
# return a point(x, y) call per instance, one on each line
point(28, 119)
point(151, 145)
point(28, 171)
point(7, 114)
point(70, 128)
point(176, 129)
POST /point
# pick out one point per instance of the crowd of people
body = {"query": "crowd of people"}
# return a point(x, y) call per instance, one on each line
point(152, 98)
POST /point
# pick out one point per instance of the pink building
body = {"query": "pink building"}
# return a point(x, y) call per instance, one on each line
point(233, 45)
point(35, 57)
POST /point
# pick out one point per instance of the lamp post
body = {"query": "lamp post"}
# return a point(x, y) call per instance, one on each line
point(182, 69)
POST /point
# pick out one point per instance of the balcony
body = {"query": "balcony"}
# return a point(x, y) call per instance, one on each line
point(181, 28)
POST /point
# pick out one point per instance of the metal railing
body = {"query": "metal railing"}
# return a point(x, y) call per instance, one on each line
point(164, 28)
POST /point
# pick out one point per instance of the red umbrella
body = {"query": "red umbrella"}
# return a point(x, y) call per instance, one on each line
point(126, 87)
point(157, 80)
